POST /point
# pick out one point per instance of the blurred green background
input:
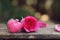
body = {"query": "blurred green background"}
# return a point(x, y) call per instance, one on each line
point(21, 8)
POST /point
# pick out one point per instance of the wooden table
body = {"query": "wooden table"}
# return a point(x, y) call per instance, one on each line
point(42, 33)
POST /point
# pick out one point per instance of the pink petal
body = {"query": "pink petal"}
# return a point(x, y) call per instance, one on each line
point(17, 20)
point(10, 21)
point(41, 24)
point(26, 30)
point(31, 30)
point(36, 28)
point(57, 27)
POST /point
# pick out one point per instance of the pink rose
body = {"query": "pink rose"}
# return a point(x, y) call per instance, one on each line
point(31, 24)
point(57, 27)
point(14, 25)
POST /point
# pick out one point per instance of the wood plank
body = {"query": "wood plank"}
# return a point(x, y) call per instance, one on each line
point(42, 33)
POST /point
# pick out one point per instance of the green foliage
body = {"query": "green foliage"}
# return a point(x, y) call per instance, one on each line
point(9, 11)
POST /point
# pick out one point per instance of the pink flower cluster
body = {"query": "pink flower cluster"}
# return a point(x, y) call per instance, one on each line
point(29, 24)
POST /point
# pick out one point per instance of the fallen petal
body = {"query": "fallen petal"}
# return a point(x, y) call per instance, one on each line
point(42, 24)
point(57, 27)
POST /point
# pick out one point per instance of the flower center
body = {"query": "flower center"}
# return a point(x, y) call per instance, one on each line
point(30, 23)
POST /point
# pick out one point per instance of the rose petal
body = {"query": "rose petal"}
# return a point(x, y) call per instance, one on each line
point(42, 24)
point(26, 30)
point(17, 20)
point(57, 27)
point(31, 30)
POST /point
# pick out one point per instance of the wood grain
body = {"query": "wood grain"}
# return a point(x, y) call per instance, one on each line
point(42, 33)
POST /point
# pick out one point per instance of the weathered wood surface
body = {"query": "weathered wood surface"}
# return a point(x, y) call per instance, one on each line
point(42, 33)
